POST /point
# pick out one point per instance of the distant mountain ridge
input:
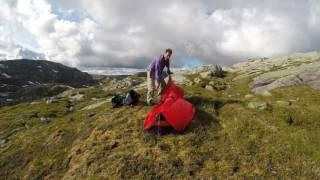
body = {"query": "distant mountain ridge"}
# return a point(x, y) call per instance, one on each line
point(20, 76)
point(24, 71)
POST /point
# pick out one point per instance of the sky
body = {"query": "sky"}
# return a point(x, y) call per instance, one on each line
point(126, 33)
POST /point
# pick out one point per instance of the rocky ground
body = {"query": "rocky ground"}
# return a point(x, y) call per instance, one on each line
point(256, 119)
point(281, 71)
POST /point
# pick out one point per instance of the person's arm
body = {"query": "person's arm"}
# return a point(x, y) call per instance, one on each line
point(158, 73)
point(168, 68)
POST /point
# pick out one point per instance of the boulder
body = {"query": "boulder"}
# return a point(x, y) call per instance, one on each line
point(210, 71)
point(121, 83)
point(91, 114)
point(283, 103)
point(258, 105)
point(218, 71)
point(190, 83)
point(197, 80)
point(266, 93)
point(209, 87)
point(44, 119)
point(207, 74)
point(3, 141)
point(71, 109)
point(77, 97)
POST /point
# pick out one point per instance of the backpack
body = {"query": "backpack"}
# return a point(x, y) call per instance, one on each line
point(117, 100)
point(130, 98)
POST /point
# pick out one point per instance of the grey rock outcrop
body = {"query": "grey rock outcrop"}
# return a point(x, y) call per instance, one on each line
point(305, 73)
point(282, 71)
point(208, 71)
point(122, 83)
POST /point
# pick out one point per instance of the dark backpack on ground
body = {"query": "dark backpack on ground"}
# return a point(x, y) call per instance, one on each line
point(117, 100)
point(130, 98)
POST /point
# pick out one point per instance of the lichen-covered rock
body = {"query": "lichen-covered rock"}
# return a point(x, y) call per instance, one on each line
point(258, 105)
point(197, 80)
point(209, 87)
point(283, 103)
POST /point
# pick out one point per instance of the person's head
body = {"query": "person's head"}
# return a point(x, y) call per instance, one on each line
point(167, 54)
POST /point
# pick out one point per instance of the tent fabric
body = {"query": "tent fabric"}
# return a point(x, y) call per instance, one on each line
point(176, 111)
point(172, 90)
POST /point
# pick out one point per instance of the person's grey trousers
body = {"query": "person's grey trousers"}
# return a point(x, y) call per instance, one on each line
point(151, 84)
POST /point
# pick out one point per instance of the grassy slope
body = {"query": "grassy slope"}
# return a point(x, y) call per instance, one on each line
point(226, 139)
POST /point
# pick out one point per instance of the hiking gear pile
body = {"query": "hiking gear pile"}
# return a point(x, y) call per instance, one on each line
point(172, 110)
point(130, 98)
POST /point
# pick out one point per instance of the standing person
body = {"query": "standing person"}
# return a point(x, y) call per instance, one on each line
point(156, 74)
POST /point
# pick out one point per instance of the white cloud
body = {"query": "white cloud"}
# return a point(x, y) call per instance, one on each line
point(254, 34)
point(123, 33)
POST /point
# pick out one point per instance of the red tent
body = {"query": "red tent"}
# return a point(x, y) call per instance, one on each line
point(176, 111)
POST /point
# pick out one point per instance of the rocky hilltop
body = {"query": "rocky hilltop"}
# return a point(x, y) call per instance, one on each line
point(27, 80)
point(269, 74)
point(256, 119)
